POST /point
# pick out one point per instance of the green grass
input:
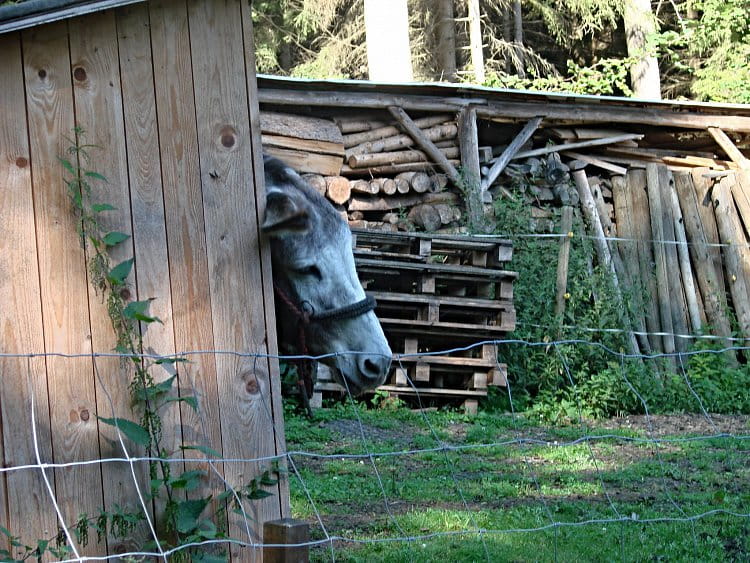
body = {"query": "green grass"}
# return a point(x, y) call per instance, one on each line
point(543, 500)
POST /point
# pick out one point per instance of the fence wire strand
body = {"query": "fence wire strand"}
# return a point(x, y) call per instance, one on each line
point(371, 453)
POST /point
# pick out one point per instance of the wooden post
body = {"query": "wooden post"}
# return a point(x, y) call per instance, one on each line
point(287, 531)
point(729, 147)
point(563, 257)
point(684, 258)
point(636, 192)
point(677, 296)
point(588, 206)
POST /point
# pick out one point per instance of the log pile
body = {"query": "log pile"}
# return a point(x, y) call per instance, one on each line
point(370, 169)
point(669, 182)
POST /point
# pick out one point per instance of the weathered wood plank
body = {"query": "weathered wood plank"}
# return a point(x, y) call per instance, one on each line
point(677, 302)
point(703, 186)
point(27, 511)
point(277, 411)
point(510, 151)
point(660, 256)
point(233, 247)
point(736, 254)
point(62, 271)
point(98, 106)
point(723, 140)
point(188, 261)
point(147, 206)
point(628, 250)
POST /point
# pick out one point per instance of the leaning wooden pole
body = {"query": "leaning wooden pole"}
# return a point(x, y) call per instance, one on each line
point(588, 206)
point(563, 259)
point(660, 257)
point(735, 260)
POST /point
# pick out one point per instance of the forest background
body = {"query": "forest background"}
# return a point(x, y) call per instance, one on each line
point(694, 49)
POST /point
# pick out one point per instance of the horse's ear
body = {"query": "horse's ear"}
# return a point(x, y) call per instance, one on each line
point(285, 214)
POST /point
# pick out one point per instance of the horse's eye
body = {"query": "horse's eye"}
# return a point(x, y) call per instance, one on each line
point(311, 270)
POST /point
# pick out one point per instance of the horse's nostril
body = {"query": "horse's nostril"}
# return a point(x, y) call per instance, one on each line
point(374, 367)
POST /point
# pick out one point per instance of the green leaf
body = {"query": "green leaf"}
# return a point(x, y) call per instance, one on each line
point(95, 175)
point(99, 207)
point(114, 238)
point(224, 496)
point(188, 480)
point(188, 512)
point(138, 310)
point(67, 165)
point(135, 432)
point(257, 494)
point(203, 449)
point(41, 546)
point(154, 391)
point(170, 360)
point(5, 531)
point(267, 481)
point(119, 273)
point(192, 401)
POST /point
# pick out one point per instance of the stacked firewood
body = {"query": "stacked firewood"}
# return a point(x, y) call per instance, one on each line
point(369, 169)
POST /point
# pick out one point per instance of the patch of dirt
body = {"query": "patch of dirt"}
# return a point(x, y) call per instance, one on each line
point(352, 430)
point(677, 424)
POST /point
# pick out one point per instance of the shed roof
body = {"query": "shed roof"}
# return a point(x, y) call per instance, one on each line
point(36, 12)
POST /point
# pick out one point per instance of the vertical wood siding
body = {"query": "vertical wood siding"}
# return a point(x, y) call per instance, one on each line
point(166, 91)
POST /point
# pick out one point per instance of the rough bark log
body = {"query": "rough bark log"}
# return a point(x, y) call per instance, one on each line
point(437, 133)
point(419, 181)
point(316, 181)
point(396, 202)
point(425, 216)
point(337, 189)
point(391, 130)
point(396, 157)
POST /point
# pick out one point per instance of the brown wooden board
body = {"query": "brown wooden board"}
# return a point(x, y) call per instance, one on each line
point(191, 305)
point(27, 509)
point(233, 249)
point(98, 105)
point(62, 271)
point(147, 206)
point(277, 409)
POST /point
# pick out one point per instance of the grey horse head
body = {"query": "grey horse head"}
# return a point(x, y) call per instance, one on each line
point(314, 273)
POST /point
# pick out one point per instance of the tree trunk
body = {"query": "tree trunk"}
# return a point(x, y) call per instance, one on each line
point(387, 36)
point(644, 74)
point(518, 38)
point(475, 41)
point(446, 40)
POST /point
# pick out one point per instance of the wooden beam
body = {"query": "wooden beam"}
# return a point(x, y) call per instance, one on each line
point(598, 162)
point(563, 258)
point(511, 150)
point(581, 144)
point(425, 144)
point(723, 140)
point(576, 110)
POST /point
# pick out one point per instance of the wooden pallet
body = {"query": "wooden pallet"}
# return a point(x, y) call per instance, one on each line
point(465, 250)
point(443, 317)
point(435, 279)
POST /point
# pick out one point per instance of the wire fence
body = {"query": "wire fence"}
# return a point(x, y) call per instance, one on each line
point(394, 530)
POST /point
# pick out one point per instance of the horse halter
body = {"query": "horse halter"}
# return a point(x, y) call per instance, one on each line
point(306, 315)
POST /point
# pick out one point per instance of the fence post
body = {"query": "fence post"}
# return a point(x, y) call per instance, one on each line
point(286, 531)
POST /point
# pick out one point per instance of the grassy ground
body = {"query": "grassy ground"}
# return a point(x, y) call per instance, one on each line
point(637, 490)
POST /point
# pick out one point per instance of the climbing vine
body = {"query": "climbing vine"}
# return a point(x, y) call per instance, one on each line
point(185, 520)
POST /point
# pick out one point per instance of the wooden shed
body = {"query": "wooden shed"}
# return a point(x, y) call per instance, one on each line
point(166, 91)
